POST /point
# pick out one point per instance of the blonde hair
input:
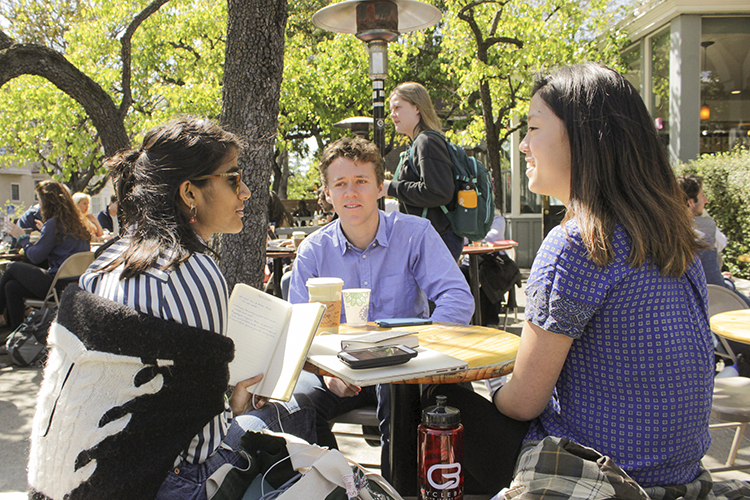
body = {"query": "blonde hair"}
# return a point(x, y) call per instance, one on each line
point(416, 95)
point(77, 197)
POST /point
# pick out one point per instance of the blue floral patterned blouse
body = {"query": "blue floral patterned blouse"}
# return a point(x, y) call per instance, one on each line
point(638, 380)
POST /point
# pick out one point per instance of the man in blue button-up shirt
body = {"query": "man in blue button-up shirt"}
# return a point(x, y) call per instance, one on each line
point(400, 258)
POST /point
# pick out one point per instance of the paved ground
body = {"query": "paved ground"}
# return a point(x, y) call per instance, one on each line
point(18, 388)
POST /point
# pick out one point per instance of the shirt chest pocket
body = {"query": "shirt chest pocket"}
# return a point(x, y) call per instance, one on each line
point(395, 296)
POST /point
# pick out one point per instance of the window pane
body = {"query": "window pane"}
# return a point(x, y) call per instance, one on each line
point(660, 83)
point(632, 59)
point(725, 83)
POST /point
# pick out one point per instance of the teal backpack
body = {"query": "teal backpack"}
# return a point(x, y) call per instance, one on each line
point(473, 206)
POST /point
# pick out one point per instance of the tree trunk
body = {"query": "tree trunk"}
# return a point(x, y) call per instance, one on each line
point(493, 141)
point(253, 69)
point(282, 169)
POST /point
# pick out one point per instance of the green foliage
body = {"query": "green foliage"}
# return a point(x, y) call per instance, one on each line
point(303, 184)
point(177, 67)
point(529, 37)
point(726, 180)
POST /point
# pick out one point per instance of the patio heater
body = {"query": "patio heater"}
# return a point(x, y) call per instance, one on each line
point(359, 125)
point(377, 22)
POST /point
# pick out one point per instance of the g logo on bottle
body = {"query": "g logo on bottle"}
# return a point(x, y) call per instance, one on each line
point(450, 480)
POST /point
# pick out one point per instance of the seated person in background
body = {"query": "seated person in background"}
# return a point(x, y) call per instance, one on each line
point(327, 212)
point(62, 235)
point(400, 258)
point(31, 220)
point(83, 202)
point(302, 211)
point(108, 217)
point(708, 233)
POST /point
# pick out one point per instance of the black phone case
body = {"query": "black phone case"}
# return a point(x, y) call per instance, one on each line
point(358, 364)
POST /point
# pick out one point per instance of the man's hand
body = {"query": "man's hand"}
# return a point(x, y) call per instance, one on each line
point(243, 401)
point(341, 388)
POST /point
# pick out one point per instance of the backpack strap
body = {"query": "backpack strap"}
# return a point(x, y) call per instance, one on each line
point(401, 161)
point(411, 161)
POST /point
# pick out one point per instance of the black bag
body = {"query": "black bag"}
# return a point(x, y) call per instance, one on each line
point(498, 273)
point(27, 345)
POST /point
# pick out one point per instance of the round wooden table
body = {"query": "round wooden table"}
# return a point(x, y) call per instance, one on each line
point(733, 325)
point(489, 353)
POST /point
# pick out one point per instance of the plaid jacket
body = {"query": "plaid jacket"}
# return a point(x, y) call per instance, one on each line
point(557, 468)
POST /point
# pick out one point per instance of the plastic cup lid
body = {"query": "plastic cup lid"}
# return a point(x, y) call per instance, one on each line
point(325, 282)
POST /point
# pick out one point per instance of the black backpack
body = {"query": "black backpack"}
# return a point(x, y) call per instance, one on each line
point(27, 345)
point(473, 208)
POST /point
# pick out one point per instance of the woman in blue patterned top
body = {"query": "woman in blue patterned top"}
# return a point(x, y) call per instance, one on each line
point(616, 353)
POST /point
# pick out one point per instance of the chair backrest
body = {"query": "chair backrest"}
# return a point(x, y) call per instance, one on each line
point(72, 267)
point(722, 299)
point(75, 265)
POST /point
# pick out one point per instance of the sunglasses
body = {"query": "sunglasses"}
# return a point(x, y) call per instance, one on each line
point(234, 179)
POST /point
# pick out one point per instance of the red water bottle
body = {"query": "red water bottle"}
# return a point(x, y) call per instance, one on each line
point(441, 453)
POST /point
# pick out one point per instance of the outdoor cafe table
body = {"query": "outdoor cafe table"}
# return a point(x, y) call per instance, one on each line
point(278, 254)
point(473, 251)
point(732, 325)
point(489, 352)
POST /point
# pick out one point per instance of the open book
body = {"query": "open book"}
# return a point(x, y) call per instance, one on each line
point(270, 336)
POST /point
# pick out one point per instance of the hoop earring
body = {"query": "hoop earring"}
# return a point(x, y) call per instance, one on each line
point(193, 214)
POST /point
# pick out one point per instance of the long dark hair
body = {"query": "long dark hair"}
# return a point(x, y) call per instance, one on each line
point(57, 203)
point(147, 182)
point(620, 170)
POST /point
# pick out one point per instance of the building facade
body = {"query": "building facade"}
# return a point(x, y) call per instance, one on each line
point(690, 61)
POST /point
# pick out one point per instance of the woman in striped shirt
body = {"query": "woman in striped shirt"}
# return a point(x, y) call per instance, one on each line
point(180, 188)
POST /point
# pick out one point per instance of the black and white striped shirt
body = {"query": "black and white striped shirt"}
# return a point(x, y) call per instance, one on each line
point(194, 294)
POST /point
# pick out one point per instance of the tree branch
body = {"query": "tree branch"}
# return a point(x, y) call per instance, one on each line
point(5, 40)
point(502, 39)
point(467, 14)
point(125, 51)
point(31, 59)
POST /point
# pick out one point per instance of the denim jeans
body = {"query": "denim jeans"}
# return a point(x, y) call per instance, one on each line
point(329, 405)
point(188, 481)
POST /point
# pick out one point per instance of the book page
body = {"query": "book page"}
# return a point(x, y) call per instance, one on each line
point(256, 324)
point(290, 356)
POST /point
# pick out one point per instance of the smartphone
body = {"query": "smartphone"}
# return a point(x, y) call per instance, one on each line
point(390, 323)
point(374, 357)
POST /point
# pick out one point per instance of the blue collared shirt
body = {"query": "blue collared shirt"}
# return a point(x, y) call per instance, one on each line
point(405, 265)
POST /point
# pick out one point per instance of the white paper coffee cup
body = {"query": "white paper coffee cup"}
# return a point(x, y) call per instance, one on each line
point(356, 305)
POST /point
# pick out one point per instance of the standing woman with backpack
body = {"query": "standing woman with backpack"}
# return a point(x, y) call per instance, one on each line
point(424, 186)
